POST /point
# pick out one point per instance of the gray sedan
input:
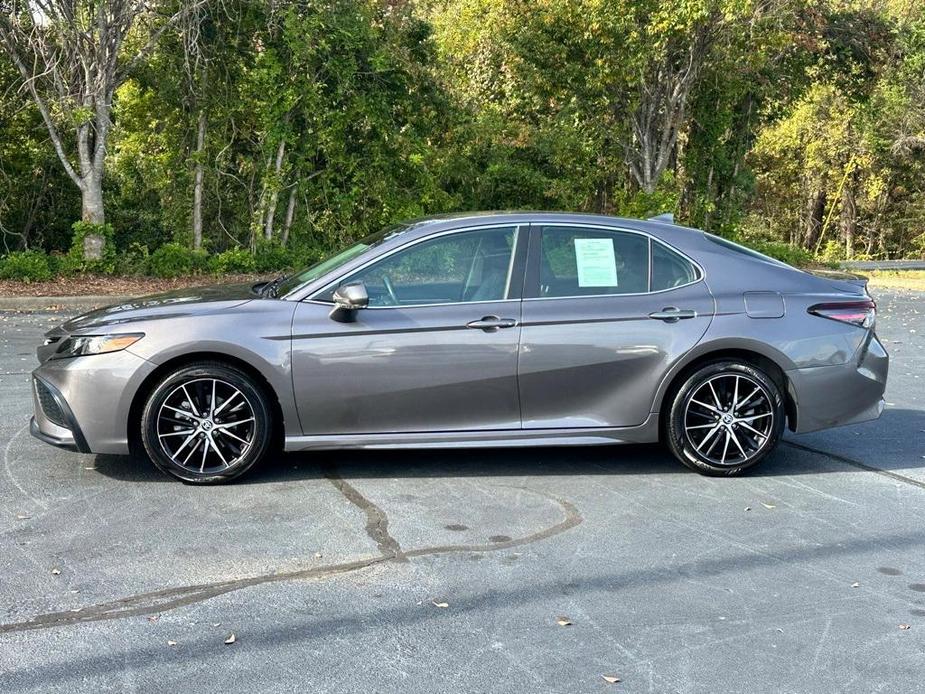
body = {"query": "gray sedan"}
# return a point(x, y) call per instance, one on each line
point(474, 330)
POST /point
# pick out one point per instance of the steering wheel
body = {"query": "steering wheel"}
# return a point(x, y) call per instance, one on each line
point(390, 288)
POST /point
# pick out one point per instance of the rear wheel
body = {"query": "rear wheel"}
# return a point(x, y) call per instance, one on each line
point(726, 417)
point(206, 423)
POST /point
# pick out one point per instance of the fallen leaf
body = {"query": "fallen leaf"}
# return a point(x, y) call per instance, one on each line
point(231, 639)
point(610, 679)
point(22, 516)
point(768, 506)
point(217, 624)
point(563, 621)
point(171, 643)
point(318, 555)
point(56, 572)
point(748, 508)
point(440, 604)
point(154, 618)
point(855, 585)
point(904, 627)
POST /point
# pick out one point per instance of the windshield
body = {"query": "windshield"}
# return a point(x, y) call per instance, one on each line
point(332, 262)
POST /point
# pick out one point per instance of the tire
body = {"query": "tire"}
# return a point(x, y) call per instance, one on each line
point(188, 438)
point(706, 434)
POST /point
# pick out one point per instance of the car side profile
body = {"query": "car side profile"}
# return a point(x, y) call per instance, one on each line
point(482, 329)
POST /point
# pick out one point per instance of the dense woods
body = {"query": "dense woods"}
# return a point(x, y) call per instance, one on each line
point(170, 136)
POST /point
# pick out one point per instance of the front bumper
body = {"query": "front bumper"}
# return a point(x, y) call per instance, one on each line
point(828, 396)
point(83, 403)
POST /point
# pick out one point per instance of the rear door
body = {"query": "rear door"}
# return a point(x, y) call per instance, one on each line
point(436, 350)
point(605, 312)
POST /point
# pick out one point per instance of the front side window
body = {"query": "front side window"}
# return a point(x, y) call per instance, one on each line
point(461, 267)
point(576, 261)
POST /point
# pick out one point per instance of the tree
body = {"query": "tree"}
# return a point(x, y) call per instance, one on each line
point(70, 57)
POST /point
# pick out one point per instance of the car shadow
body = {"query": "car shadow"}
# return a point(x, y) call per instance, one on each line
point(898, 430)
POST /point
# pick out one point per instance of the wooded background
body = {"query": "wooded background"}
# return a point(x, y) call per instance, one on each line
point(289, 127)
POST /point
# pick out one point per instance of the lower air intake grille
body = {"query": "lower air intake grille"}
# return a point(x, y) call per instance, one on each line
point(49, 405)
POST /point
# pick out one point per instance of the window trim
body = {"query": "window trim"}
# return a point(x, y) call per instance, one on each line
point(532, 275)
point(516, 264)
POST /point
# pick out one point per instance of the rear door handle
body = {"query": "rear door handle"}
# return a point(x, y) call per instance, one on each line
point(491, 323)
point(672, 314)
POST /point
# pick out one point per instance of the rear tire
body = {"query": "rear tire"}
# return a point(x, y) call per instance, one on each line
point(206, 423)
point(726, 417)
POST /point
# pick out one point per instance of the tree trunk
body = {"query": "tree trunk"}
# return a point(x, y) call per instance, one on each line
point(290, 215)
point(91, 210)
point(274, 191)
point(197, 181)
point(849, 218)
point(816, 213)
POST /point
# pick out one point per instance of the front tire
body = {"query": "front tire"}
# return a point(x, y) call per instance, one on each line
point(206, 423)
point(726, 417)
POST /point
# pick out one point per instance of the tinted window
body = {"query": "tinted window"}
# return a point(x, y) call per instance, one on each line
point(584, 262)
point(669, 269)
point(466, 266)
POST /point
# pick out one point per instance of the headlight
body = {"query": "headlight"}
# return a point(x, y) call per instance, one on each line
point(81, 345)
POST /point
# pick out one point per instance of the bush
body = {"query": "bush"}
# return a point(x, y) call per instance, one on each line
point(27, 266)
point(173, 260)
point(133, 260)
point(233, 262)
point(271, 256)
point(76, 261)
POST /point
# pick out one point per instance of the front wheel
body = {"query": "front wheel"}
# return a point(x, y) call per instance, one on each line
point(726, 417)
point(206, 423)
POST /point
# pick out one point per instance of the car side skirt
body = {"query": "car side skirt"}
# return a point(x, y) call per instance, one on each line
point(647, 432)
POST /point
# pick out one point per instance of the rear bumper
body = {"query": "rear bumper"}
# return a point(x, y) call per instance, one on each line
point(828, 396)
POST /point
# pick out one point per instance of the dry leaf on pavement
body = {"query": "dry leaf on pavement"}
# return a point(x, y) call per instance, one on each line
point(440, 604)
point(563, 621)
point(610, 679)
point(231, 639)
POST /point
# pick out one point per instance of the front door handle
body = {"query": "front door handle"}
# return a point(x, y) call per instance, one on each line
point(672, 314)
point(491, 323)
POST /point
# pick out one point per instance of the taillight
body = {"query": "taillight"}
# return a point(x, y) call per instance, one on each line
point(859, 313)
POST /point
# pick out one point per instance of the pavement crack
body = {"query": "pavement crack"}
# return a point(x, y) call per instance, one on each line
point(377, 522)
point(159, 601)
point(858, 464)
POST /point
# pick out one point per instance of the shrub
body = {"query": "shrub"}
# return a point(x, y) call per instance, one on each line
point(233, 261)
point(792, 255)
point(173, 260)
point(27, 266)
point(271, 256)
point(77, 262)
point(133, 260)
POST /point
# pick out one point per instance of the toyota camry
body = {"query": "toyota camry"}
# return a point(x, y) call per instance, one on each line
point(474, 330)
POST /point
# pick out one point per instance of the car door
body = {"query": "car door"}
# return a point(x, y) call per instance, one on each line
point(436, 350)
point(605, 313)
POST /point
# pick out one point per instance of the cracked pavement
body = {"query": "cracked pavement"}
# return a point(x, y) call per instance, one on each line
point(329, 568)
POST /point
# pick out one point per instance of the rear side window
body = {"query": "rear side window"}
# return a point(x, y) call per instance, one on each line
point(670, 269)
point(576, 261)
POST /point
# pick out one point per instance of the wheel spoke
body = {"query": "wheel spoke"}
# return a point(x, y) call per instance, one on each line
point(215, 448)
point(709, 436)
point(753, 429)
point(183, 413)
point(735, 440)
point(191, 451)
point(740, 405)
point(701, 426)
point(725, 448)
point(228, 432)
point(754, 417)
point(225, 403)
point(709, 407)
point(716, 399)
point(222, 427)
point(212, 401)
point(177, 433)
point(192, 404)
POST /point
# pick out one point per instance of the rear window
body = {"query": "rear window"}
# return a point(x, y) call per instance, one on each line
point(737, 248)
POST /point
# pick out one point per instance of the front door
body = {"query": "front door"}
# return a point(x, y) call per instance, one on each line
point(436, 350)
point(605, 313)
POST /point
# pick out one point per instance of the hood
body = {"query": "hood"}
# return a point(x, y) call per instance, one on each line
point(172, 304)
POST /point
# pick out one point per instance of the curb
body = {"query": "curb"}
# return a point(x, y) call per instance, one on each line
point(54, 303)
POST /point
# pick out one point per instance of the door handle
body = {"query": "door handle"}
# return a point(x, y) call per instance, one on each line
point(672, 314)
point(491, 323)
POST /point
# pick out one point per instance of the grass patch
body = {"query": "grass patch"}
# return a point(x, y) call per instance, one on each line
point(896, 279)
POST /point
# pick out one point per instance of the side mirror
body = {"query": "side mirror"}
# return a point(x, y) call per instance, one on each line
point(348, 299)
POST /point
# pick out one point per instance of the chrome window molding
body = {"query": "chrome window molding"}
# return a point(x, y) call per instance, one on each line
point(518, 228)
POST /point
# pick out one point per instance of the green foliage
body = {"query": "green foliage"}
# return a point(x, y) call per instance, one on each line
point(77, 260)
point(792, 255)
point(175, 260)
point(26, 266)
point(133, 260)
point(272, 256)
point(235, 261)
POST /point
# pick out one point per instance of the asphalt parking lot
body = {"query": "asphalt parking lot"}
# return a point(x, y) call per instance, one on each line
point(450, 571)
